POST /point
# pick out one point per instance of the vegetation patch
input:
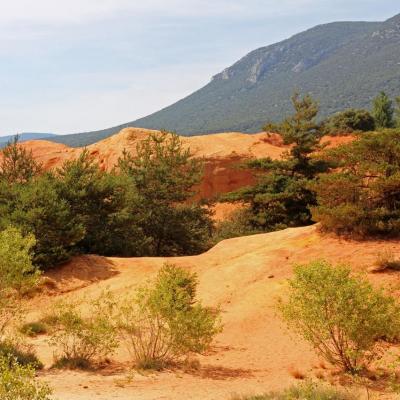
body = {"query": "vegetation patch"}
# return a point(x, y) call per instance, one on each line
point(342, 316)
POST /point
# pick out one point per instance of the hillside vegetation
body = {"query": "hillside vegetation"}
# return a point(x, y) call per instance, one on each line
point(342, 64)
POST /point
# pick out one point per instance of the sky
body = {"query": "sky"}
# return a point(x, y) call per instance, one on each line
point(70, 66)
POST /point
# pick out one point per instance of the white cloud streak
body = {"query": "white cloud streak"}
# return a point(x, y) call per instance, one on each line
point(80, 11)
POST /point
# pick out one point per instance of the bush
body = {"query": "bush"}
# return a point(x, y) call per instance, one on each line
point(164, 322)
point(342, 316)
point(18, 382)
point(17, 274)
point(383, 111)
point(386, 260)
point(237, 224)
point(33, 329)
point(362, 197)
point(17, 164)
point(307, 391)
point(349, 121)
point(22, 354)
point(81, 339)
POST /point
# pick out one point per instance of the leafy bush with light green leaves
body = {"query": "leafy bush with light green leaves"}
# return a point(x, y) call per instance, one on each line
point(306, 391)
point(164, 322)
point(17, 382)
point(17, 274)
point(341, 315)
point(83, 338)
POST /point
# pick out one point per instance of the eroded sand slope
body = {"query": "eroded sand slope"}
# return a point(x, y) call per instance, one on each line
point(245, 276)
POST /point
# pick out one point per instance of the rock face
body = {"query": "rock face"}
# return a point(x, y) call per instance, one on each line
point(223, 153)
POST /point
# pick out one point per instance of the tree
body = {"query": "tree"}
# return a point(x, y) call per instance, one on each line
point(383, 111)
point(164, 174)
point(362, 196)
point(349, 121)
point(397, 112)
point(281, 198)
point(104, 205)
point(343, 317)
point(17, 164)
point(35, 207)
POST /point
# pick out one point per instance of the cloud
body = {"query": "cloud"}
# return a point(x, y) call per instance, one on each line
point(79, 11)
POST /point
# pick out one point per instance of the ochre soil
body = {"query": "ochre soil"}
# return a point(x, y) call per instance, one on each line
point(246, 277)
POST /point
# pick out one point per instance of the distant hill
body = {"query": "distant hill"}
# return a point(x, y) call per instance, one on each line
point(23, 137)
point(342, 64)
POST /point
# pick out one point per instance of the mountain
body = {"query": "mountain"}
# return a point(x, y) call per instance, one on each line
point(342, 64)
point(23, 137)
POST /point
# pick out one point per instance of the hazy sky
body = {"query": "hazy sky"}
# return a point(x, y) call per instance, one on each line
point(76, 65)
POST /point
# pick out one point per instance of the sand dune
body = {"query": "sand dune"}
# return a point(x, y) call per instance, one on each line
point(245, 276)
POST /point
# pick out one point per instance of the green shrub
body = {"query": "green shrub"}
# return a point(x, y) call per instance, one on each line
point(307, 391)
point(237, 224)
point(17, 164)
point(342, 316)
point(21, 353)
point(33, 329)
point(80, 339)
point(18, 382)
point(386, 260)
point(164, 322)
point(349, 121)
point(362, 197)
point(17, 275)
point(383, 111)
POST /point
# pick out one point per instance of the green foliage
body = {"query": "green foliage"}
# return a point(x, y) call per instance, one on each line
point(363, 196)
point(349, 121)
point(17, 164)
point(386, 260)
point(163, 174)
point(21, 353)
point(36, 207)
point(282, 197)
point(397, 112)
point(164, 322)
point(83, 338)
point(104, 205)
point(33, 329)
point(342, 316)
point(237, 224)
point(17, 382)
point(307, 391)
point(17, 274)
point(383, 111)
point(16, 269)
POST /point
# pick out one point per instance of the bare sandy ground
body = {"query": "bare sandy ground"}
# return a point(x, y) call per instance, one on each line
point(246, 276)
point(222, 153)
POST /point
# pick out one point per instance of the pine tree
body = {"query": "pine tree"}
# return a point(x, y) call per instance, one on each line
point(282, 198)
point(383, 111)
